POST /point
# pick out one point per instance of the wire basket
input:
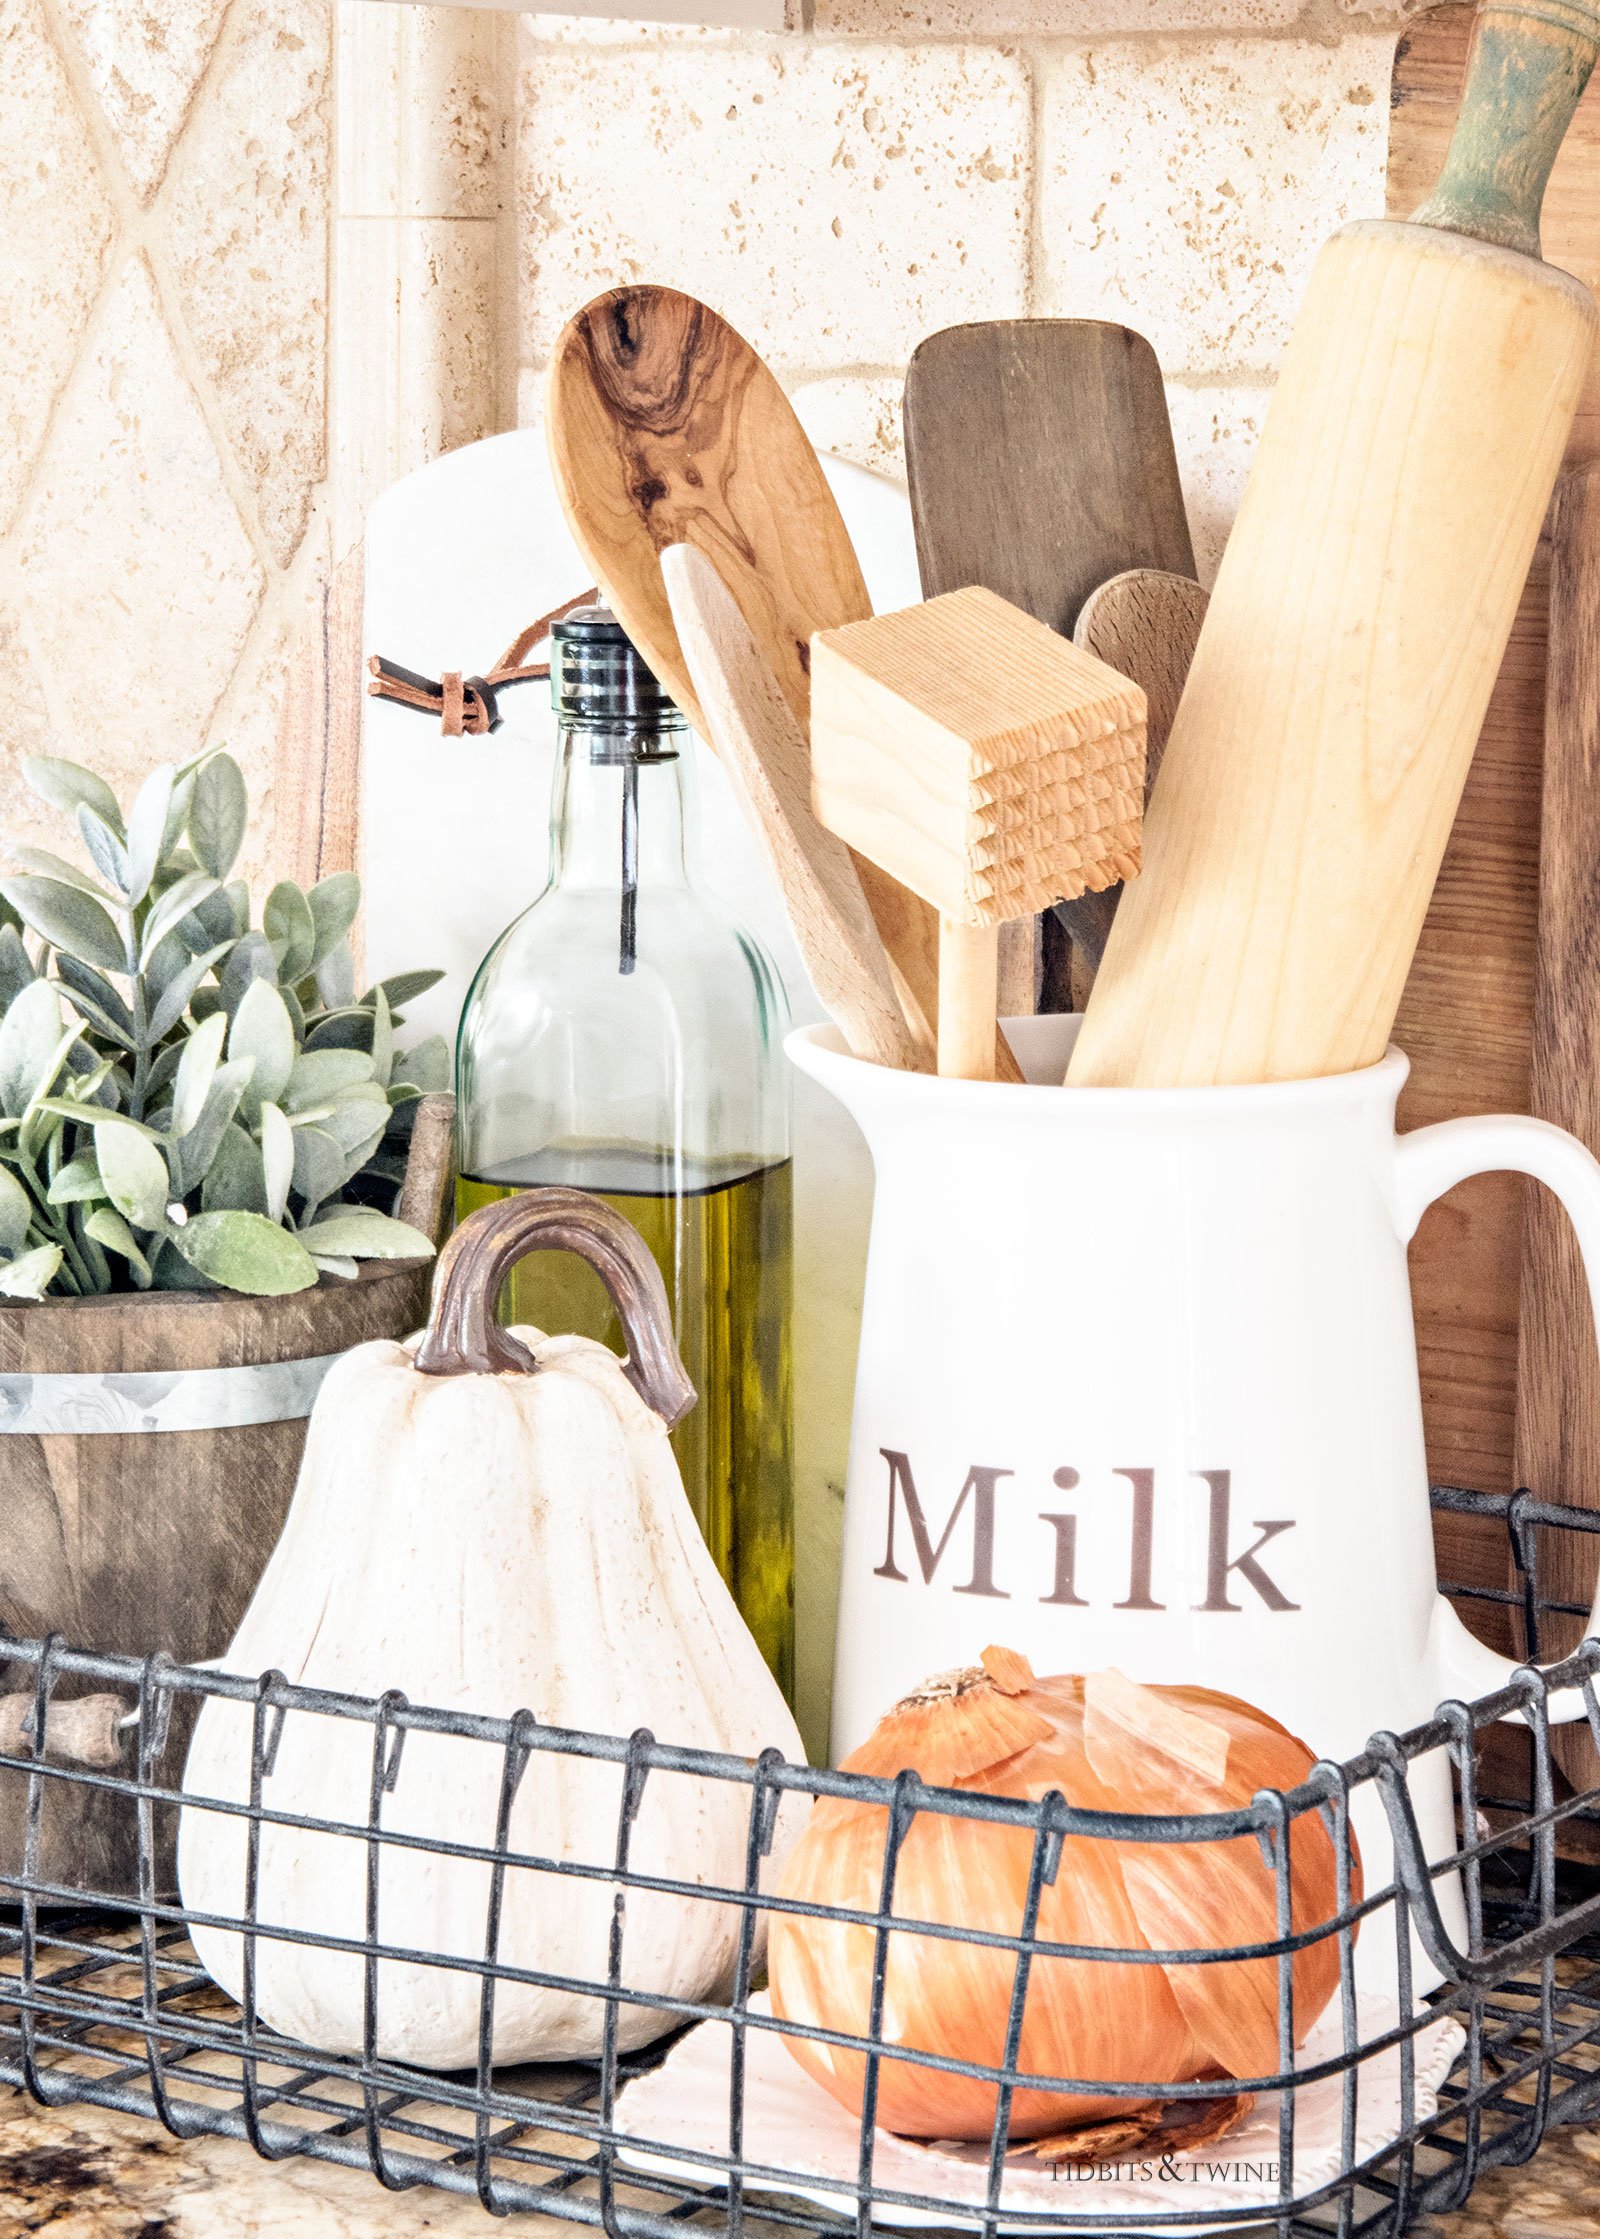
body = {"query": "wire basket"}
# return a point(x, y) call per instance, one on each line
point(1392, 2107)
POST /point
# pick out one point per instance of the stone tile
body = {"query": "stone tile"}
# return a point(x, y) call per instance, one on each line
point(248, 236)
point(419, 112)
point(145, 58)
point(1216, 432)
point(1187, 188)
point(27, 730)
point(55, 228)
point(416, 347)
point(835, 202)
point(1073, 19)
point(246, 723)
point(857, 416)
point(138, 581)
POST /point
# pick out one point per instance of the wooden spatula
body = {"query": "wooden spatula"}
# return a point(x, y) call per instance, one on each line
point(989, 765)
point(764, 751)
point(665, 427)
point(1040, 459)
point(1146, 623)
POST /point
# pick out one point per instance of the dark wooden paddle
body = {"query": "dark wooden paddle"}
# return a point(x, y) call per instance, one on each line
point(1040, 459)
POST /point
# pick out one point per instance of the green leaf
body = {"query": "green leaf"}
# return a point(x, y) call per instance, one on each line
point(36, 1121)
point(404, 988)
point(88, 993)
point(111, 1230)
point(345, 1269)
point(29, 1035)
point(31, 1274)
point(16, 966)
point(289, 926)
point(382, 1040)
point(174, 905)
point(173, 856)
point(346, 1029)
point(45, 865)
point(277, 1160)
point(66, 785)
point(336, 977)
point(106, 851)
point(179, 993)
point(78, 1182)
point(333, 903)
point(250, 959)
point(426, 1067)
point(319, 1075)
point(359, 1232)
point(202, 1053)
point(191, 1155)
point(16, 1212)
point(80, 978)
point(222, 916)
point(262, 1029)
point(318, 1165)
point(147, 822)
point(89, 1251)
point(236, 1181)
point(246, 1252)
point(217, 814)
point(67, 919)
point(134, 1172)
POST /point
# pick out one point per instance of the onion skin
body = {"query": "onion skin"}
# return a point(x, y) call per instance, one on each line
point(1091, 2020)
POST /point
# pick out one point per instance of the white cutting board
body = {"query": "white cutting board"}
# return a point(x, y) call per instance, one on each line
point(455, 839)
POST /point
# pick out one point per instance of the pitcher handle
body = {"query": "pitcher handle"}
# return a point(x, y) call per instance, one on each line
point(1428, 1162)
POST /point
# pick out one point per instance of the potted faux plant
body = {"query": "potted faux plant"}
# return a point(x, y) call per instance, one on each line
point(204, 1132)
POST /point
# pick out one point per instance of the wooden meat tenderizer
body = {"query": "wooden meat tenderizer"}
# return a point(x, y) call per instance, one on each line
point(988, 765)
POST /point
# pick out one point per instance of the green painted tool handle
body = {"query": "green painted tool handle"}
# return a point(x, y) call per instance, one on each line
point(1530, 62)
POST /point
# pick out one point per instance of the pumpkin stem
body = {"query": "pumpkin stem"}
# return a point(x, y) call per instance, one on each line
point(464, 1338)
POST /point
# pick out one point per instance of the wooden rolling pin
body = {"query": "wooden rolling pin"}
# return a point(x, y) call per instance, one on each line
point(1361, 611)
point(987, 765)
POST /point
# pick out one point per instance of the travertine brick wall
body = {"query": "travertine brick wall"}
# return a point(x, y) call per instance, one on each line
point(896, 166)
point(250, 273)
point(164, 171)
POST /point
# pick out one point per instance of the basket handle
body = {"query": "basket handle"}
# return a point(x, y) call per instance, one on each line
point(463, 1336)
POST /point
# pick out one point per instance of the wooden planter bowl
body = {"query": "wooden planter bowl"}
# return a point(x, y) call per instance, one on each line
point(155, 1539)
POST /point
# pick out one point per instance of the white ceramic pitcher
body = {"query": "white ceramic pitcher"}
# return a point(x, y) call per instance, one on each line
point(1138, 1386)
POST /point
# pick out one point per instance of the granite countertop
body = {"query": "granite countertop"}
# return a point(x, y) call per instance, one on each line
point(82, 2173)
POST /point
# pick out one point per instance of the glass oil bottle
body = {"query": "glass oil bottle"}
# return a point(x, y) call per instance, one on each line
point(624, 1036)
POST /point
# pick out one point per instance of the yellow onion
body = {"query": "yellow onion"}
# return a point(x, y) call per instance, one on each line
point(1107, 1745)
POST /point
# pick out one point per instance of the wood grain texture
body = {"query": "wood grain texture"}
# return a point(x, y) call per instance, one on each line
point(1040, 460)
point(1465, 1019)
point(969, 999)
point(986, 762)
point(764, 750)
point(1145, 622)
point(155, 1540)
point(316, 786)
point(1558, 1367)
point(1345, 666)
point(665, 427)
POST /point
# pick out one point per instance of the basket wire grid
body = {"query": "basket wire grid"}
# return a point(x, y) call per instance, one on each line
point(102, 1999)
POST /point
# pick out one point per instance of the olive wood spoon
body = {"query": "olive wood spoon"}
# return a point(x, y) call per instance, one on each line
point(665, 427)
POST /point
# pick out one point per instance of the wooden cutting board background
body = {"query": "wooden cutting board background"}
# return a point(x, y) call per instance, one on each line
point(1466, 1019)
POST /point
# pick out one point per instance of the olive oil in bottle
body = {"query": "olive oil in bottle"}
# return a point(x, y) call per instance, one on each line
point(623, 1036)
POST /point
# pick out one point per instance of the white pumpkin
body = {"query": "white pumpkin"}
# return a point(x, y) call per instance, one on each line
point(489, 1520)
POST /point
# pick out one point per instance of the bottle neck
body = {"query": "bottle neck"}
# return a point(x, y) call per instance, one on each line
point(620, 815)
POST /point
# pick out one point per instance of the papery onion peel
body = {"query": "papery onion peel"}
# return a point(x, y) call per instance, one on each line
point(1107, 1745)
